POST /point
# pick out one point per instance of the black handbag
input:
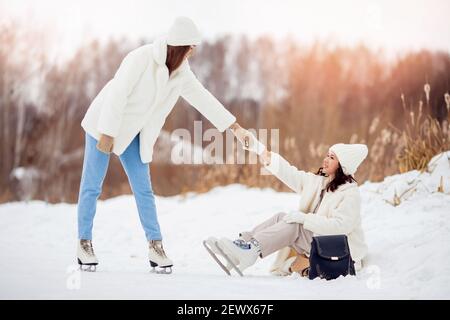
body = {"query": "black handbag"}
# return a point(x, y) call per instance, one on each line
point(330, 257)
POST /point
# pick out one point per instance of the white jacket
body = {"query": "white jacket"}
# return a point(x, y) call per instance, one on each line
point(141, 95)
point(339, 211)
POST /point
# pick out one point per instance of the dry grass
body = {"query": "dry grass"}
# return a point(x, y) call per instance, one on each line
point(331, 95)
point(423, 136)
point(392, 149)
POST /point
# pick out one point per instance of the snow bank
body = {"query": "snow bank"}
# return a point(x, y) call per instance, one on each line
point(436, 178)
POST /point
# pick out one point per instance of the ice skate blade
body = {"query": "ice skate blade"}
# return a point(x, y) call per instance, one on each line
point(213, 255)
point(161, 270)
point(87, 267)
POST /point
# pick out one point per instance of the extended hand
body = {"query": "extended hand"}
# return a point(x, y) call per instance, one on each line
point(266, 157)
point(295, 217)
point(242, 135)
point(247, 139)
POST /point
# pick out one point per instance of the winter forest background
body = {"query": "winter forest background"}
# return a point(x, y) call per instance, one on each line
point(317, 94)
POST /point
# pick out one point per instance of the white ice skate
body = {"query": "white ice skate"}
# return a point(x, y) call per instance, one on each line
point(158, 258)
point(86, 256)
point(214, 251)
point(246, 253)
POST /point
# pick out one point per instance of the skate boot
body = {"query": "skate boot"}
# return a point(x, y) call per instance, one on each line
point(158, 258)
point(211, 246)
point(86, 256)
point(246, 253)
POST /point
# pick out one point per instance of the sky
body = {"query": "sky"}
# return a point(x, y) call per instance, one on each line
point(394, 26)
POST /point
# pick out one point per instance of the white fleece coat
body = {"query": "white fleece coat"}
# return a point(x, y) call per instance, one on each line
point(338, 213)
point(141, 95)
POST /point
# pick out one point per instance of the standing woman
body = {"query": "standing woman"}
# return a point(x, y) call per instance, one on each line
point(126, 117)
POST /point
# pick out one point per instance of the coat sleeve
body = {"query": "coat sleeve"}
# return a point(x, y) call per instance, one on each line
point(341, 220)
point(125, 79)
point(202, 100)
point(288, 174)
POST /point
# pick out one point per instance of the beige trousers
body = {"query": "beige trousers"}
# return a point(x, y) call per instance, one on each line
point(275, 234)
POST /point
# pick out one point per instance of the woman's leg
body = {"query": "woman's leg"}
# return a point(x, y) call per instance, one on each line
point(247, 235)
point(139, 177)
point(95, 165)
point(303, 242)
point(275, 234)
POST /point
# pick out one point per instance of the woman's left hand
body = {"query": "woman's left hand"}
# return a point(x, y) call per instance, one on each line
point(240, 133)
point(105, 143)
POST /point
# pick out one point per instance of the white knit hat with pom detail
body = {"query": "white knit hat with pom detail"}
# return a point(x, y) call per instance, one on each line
point(350, 156)
point(183, 32)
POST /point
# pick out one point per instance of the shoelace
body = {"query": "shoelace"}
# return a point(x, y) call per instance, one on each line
point(87, 246)
point(247, 245)
point(242, 244)
point(158, 248)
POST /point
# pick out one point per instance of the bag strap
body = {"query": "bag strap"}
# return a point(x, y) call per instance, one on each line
point(320, 200)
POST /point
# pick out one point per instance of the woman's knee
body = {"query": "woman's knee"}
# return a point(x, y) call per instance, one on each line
point(90, 191)
point(144, 192)
point(141, 186)
point(280, 215)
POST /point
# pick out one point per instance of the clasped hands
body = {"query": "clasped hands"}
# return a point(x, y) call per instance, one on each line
point(247, 139)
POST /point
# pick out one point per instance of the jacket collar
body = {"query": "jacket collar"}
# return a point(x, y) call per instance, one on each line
point(160, 55)
point(342, 187)
point(162, 72)
point(160, 50)
point(347, 185)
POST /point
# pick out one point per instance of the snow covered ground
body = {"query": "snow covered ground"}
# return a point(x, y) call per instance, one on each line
point(409, 246)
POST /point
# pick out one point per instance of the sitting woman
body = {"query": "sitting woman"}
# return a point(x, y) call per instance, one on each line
point(330, 204)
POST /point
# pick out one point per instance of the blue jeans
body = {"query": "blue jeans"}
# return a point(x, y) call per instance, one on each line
point(95, 165)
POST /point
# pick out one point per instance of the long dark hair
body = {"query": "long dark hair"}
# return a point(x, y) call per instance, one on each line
point(339, 178)
point(175, 56)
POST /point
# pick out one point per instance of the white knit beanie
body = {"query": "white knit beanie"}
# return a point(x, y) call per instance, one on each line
point(350, 156)
point(183, 32)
